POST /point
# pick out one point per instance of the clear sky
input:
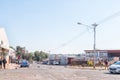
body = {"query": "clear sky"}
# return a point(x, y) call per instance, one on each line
point(51, 25)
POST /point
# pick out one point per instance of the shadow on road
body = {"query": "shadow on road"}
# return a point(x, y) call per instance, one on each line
point(112, 73)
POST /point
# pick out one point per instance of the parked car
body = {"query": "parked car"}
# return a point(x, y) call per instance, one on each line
point(55, 63)
point(115, 67)
point(24, 63)
point(37, 62)
point(45, 62)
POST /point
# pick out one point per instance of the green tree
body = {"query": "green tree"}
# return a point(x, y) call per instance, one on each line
point(18, 51)
point(30, 57)
point(43, 55)
point(36, 54)
point(12, 47)
point(39, 56)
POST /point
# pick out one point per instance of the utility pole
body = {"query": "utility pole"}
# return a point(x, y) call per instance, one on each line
point(94, 43)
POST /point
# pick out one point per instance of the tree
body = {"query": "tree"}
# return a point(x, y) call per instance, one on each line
point(30, 57)
point(18, 51)
point(39, 56)
point(43, 55)
point(12, 47)
point(36, 53)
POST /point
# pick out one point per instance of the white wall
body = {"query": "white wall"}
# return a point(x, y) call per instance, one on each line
point(3, 39)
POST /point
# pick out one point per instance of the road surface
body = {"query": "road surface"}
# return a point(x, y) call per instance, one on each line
point(50, 72)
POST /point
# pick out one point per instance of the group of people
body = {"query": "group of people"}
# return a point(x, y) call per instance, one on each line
point(105, 63)
point(3, 62)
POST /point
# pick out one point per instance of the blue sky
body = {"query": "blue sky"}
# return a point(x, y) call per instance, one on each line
point(51, 25)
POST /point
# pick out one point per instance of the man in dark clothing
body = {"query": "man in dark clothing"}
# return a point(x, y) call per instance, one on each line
point(106, 64)
point(4, 63)
point(0, 63)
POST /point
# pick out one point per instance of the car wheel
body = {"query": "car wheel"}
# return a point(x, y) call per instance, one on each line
point(111, 72)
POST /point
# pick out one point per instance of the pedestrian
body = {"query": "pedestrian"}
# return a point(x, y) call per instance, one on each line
point(100, 63)
point(106, 64)
point(4, 63)
point(0, 63)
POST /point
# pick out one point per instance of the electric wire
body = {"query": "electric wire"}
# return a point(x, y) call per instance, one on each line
point(80, 34)
point(71, 40)
point(109, 18)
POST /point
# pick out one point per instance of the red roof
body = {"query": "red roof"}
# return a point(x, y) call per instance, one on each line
point(113, 51)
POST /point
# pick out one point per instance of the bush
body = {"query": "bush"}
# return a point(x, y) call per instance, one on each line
point(82, 63)
point(89, 63)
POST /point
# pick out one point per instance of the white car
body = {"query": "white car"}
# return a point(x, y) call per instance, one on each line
point(115, 67)
point(55, 62)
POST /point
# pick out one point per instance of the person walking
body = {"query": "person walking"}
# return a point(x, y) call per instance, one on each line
point(106, 64)
point(0, 63)
point(4, 63)
point(100, 63)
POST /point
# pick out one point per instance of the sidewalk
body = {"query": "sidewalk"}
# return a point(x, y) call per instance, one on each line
point(87, 68)
point(12, 66)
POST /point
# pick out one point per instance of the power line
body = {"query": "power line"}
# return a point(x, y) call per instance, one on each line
point(109, 17)
point(80, 34)
point(94, 28)
point(71, 40)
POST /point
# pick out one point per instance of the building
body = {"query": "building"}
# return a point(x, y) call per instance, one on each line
point(4, 45)
point(62, 59)
point(104, 54)
point(12, 55)
point(54, 58)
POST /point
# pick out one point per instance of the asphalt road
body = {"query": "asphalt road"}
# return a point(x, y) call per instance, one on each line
point(48, 72)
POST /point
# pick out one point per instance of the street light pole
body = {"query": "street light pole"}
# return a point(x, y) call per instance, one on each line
point(94, 44)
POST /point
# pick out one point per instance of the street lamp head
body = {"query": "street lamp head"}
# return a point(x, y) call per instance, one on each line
point(79, 23)
point(95, 24)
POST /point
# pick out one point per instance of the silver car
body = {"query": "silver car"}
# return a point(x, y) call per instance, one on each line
point(115, 67)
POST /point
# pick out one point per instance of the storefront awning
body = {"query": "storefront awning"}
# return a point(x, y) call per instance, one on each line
point(4, 47)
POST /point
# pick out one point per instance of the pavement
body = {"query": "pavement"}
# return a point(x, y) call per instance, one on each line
point(15, 66)
point(87, 68)
point(56, 72)
point(12, 66)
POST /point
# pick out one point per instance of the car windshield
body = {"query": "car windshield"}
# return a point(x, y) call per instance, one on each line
point(117, 63)
point(24, 62)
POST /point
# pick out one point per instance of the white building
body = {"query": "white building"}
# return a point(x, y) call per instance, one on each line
point(3, 39)
point(4, 45)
